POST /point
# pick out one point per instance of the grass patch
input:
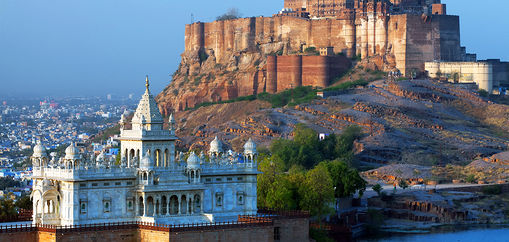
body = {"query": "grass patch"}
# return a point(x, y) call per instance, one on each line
point(348, 85)
point(289, 97)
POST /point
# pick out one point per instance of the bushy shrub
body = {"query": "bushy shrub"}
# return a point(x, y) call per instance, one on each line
point(492, 190)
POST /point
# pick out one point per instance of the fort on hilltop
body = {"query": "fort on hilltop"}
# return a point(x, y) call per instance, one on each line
point(309, 43)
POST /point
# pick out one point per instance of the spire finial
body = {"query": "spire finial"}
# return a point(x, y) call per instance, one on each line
point(146, 82)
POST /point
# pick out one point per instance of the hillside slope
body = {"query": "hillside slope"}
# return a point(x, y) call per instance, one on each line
point(418, 122)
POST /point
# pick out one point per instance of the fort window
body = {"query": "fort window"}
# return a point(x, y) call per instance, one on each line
point(118, 183)
point(277, 233)
point(83, 207)
point(130, 203)
point(129, 183)
point(229, 179)
point(208, 180)
point(240, 178)
point(107, 207)
point(94, 184)
point(218, 179)
point(219, 199)
point(83, 185)
point(240, 198)
point(107, 204)
point(106, 184)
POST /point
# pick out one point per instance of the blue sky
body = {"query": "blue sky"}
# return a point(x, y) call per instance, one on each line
point(95, 47)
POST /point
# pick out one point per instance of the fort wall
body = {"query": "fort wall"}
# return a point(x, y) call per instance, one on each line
point(398, 34)
point(285, 72)
point(412, 39)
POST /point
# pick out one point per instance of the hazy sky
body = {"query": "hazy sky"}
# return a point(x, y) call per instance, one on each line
point(94, 47)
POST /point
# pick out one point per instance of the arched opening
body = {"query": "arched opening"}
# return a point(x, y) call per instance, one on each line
point(141, 207)
point(131, 157)
point(166, 158)
point(158, 158)
point(183, 205)
point(150, 203)
point(189, 207)
point(197, 204)
point(174, 205)
point(164, 203)
point(145, 177)
point(157, 212)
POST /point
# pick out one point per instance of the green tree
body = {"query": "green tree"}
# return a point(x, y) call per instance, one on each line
point(317, 191)
point(344, 144)
point(403, 184)
point(24, 202)
point(7, 208)
point(280, 194)
point(285, 150)
point(346, 180)
point(378, 189)
point(270, 167)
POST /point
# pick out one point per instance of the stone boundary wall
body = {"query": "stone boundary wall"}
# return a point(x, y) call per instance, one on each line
point(505, 188)
point(291, 227)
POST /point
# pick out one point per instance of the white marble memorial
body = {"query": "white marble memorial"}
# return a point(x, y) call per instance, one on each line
point(152, 183)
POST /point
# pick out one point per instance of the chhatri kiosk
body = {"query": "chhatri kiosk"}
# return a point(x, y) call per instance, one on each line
point(151, 184)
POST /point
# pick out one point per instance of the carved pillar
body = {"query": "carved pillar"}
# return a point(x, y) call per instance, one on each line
point(155, 207)
point(144, 205)
point(201, 202)
point(179, 198)
point(168, 199)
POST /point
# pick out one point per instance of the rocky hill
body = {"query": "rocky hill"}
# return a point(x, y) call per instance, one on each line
point(412, 122)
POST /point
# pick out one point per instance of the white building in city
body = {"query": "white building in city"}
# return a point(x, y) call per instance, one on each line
point(151, 184)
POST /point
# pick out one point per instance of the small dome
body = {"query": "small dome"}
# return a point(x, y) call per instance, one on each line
point(193, 161)
point(72, 152)
point(216, 146)
point(146, 161)
point(250, 147)
point(39, 150)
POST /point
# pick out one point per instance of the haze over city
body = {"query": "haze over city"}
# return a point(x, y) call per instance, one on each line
point(92, 48)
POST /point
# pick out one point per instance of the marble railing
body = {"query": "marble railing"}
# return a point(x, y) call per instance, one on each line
point(233, 167)
point(114, 172)
point(75, 174)
point(139, 133)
